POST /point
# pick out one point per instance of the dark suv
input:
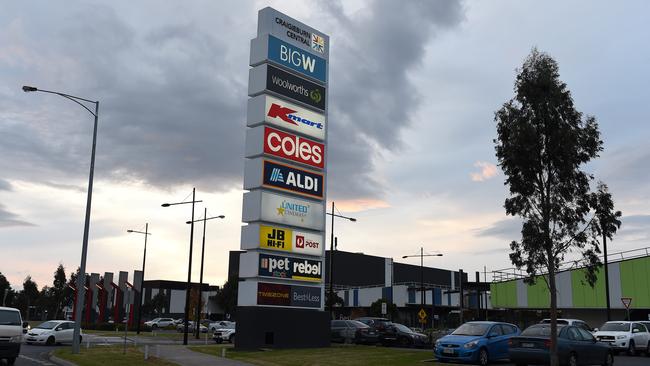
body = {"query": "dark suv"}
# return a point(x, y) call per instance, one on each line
point(384, 328)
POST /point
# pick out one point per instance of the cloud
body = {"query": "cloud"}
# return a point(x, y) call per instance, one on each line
point(506, 229)
point(9, 219)
point(5, 185)
point(357, 205)
point(488, 171)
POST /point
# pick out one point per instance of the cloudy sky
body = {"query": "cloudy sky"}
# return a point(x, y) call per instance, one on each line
point(413, 90)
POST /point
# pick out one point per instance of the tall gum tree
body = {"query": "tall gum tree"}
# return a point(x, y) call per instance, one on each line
point(542, 145)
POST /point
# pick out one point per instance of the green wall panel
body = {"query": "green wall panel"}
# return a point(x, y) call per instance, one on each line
point(635, 281)
point(585, 296)
point(504, 294)
point(538, 295)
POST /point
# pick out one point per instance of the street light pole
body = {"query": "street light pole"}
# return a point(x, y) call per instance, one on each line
point(331, 263)
point(189, 266)
point(81, 279)
point(144, 260)
point(198, 305)
point(422, 255)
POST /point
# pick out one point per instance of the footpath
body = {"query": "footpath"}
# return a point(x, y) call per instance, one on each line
point(183, 356)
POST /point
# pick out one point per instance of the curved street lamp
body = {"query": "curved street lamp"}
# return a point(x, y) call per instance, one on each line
point(422, 255)
point(81, 279)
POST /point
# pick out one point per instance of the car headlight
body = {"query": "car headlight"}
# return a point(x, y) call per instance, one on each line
point(16, 339)
point(621, 337)
point(471, 344)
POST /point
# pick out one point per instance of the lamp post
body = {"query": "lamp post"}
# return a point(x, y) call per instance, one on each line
point(331, 269)
point(144, 260)
point(81, 279)
point(198, 304)
point(422, 255)
point(189, 265)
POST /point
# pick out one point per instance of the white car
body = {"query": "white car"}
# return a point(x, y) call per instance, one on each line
point(225, 334)
point(190, 327)
point(52, 332)
point(575, 322)
point(11, 334)
point(159, 323)
point(625, 336)
point(219, 324)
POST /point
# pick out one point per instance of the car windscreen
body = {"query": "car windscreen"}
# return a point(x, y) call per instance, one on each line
point(539, 331)
point(403, 328)
point(559, 321)
point(472, 329)
point(616, 327)
point(357, 324)
point(9, 317)
point(47, 325)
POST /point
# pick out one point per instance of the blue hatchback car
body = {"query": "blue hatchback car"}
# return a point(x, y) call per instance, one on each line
point(476, 342)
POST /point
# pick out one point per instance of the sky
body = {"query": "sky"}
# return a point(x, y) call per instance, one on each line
point(413, 90)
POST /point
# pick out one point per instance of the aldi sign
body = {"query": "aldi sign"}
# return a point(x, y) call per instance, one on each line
point(270, 48)
point(266, 77)
point(286, 115)
point(267, 173)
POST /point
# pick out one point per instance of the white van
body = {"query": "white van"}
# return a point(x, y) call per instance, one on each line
point(11, 334)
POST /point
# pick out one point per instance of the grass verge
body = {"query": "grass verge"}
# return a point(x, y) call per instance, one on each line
point(99, 356)
point(334, 356)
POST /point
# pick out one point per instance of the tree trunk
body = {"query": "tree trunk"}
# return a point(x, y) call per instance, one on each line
point(551, 282)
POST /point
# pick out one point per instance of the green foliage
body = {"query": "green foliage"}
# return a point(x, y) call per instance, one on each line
point(6, 292)
point(226, 297)
point(158, 303)
point(375, 309)
point(333, 299)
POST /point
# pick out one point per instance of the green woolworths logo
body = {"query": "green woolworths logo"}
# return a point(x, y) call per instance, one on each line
point(315, 95)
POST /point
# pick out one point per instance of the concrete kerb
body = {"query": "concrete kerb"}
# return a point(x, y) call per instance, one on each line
point(59, 361)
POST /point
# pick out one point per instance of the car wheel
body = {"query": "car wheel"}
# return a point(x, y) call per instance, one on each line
point(647, 349)
point(50, 341)
point(483, 357)
point(404, 342)
point(154, 326)
point(80, 339)
point(11, 360)
point(232, 339)
point(218, 340)
point(573, 360)
point(609, 360)
point(631, 350)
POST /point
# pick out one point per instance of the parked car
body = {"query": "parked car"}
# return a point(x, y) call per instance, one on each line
point(481, 342)
point(219, 324)
point(352, 331)
point(407, 337)
point(159, 323)
point(225, 334)
point(52, 332)
point(576, 346)
point(190, 327)
point(625, 336)
point(385, 330)
point(11, 334)
point(575, 322)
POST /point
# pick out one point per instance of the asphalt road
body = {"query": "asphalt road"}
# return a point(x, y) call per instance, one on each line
point(33, 355)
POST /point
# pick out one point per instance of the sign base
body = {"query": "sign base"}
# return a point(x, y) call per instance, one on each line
point(266, 327)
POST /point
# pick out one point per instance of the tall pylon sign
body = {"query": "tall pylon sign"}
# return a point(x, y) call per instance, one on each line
point(281, 293)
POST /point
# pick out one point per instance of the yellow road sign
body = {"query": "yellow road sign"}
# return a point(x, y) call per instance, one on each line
point(422, 314)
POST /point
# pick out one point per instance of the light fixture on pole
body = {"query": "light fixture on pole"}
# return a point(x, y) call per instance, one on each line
point(189, 265)
point(422, 255)
point(331, 269)
point(146, 233)
point(81, 279)
point(205, 218)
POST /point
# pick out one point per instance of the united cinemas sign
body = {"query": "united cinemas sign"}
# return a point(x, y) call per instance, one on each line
point(286, 115)
point(290, 268)
point(275, 294)
point(284, 210)
point(266, 140)
point(277, 238)
point(261, 172)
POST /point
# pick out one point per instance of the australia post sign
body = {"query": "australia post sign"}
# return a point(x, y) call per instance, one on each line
point(282, 239)
point(286, 115)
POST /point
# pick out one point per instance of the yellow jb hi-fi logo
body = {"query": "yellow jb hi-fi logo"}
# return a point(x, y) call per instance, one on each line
point(275, 238)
